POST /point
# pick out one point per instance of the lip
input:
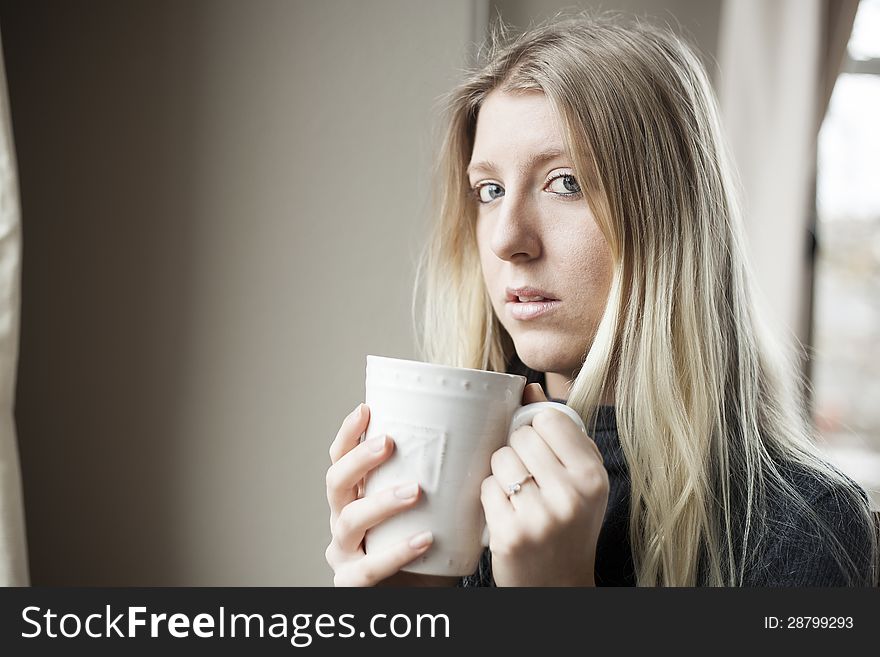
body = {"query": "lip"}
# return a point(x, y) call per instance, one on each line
point(525, 310)
point(528, 291)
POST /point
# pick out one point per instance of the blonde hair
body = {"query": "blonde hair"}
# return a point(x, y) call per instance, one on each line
point(706, 405)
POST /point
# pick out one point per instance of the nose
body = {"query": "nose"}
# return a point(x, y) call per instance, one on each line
point(515, 233)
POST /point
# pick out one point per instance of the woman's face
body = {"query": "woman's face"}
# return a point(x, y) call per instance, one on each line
point(534, 228)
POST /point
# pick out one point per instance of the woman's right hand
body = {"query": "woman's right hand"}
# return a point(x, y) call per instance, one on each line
point(351, 515)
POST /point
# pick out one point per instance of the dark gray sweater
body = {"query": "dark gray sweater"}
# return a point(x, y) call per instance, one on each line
point(793, 557)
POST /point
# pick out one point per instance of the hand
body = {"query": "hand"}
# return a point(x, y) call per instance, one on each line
point(546, 534)
point(352, 514)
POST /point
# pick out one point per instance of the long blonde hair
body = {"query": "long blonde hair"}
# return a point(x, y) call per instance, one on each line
point(706, 406)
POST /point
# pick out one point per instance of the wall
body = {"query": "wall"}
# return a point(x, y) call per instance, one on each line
point(222, 202)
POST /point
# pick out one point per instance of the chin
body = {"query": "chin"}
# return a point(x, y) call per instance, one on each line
point(542, 352)
point(539, 354)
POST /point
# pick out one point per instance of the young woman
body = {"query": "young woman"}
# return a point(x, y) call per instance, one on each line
point(588, 237)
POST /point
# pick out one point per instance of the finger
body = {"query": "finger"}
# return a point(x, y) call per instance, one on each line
point(376, 566)
point(344, 475)
point(358, 516)
point(500, 514)
point(349, 433)
point(533, 393)
point(537, 458)
point(507, 469)
point(571, 446)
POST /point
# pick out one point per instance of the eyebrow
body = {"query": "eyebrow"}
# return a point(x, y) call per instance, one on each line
point(536, 158)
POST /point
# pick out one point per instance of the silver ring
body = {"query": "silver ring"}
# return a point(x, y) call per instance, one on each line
point(513, 489)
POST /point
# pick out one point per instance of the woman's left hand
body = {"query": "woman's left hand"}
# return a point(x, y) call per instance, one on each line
point(545, 534)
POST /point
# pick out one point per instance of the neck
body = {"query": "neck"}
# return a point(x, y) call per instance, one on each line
point(559, 387)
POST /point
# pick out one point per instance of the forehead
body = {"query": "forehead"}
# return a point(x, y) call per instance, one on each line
point(509, 124)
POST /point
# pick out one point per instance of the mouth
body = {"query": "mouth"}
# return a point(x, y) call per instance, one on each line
point(526, 303)
point(528, 294)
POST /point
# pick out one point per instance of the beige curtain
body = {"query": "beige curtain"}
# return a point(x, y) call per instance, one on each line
point(13, 551)
point(777, 64)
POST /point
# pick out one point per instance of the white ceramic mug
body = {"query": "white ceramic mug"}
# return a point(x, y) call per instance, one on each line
point(445, 423)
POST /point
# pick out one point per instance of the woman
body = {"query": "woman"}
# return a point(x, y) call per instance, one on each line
point(585, 160)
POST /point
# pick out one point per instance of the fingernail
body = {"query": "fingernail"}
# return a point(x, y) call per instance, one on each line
point(356, 413)
point(376, 444)
point(421, 540)
point(406, 491)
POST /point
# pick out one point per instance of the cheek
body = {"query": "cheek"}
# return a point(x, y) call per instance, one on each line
point(491, 277)
point(595, 257)
point(488, 259)
point(489, 264)
point(597, 264)
point(588, 267)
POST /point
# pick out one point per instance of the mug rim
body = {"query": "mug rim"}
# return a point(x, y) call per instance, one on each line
point(405, 362)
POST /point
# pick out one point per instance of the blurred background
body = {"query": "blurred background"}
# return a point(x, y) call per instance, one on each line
point(211, 212)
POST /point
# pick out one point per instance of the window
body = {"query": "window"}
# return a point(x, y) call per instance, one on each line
point(846, 365)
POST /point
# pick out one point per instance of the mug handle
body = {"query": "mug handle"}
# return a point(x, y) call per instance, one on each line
point(523, 416)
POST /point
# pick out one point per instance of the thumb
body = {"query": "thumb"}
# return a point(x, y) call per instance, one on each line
point(533, 393)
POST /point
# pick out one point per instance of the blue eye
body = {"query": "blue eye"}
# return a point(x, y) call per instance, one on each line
point(569, 186)
point(494, 191)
